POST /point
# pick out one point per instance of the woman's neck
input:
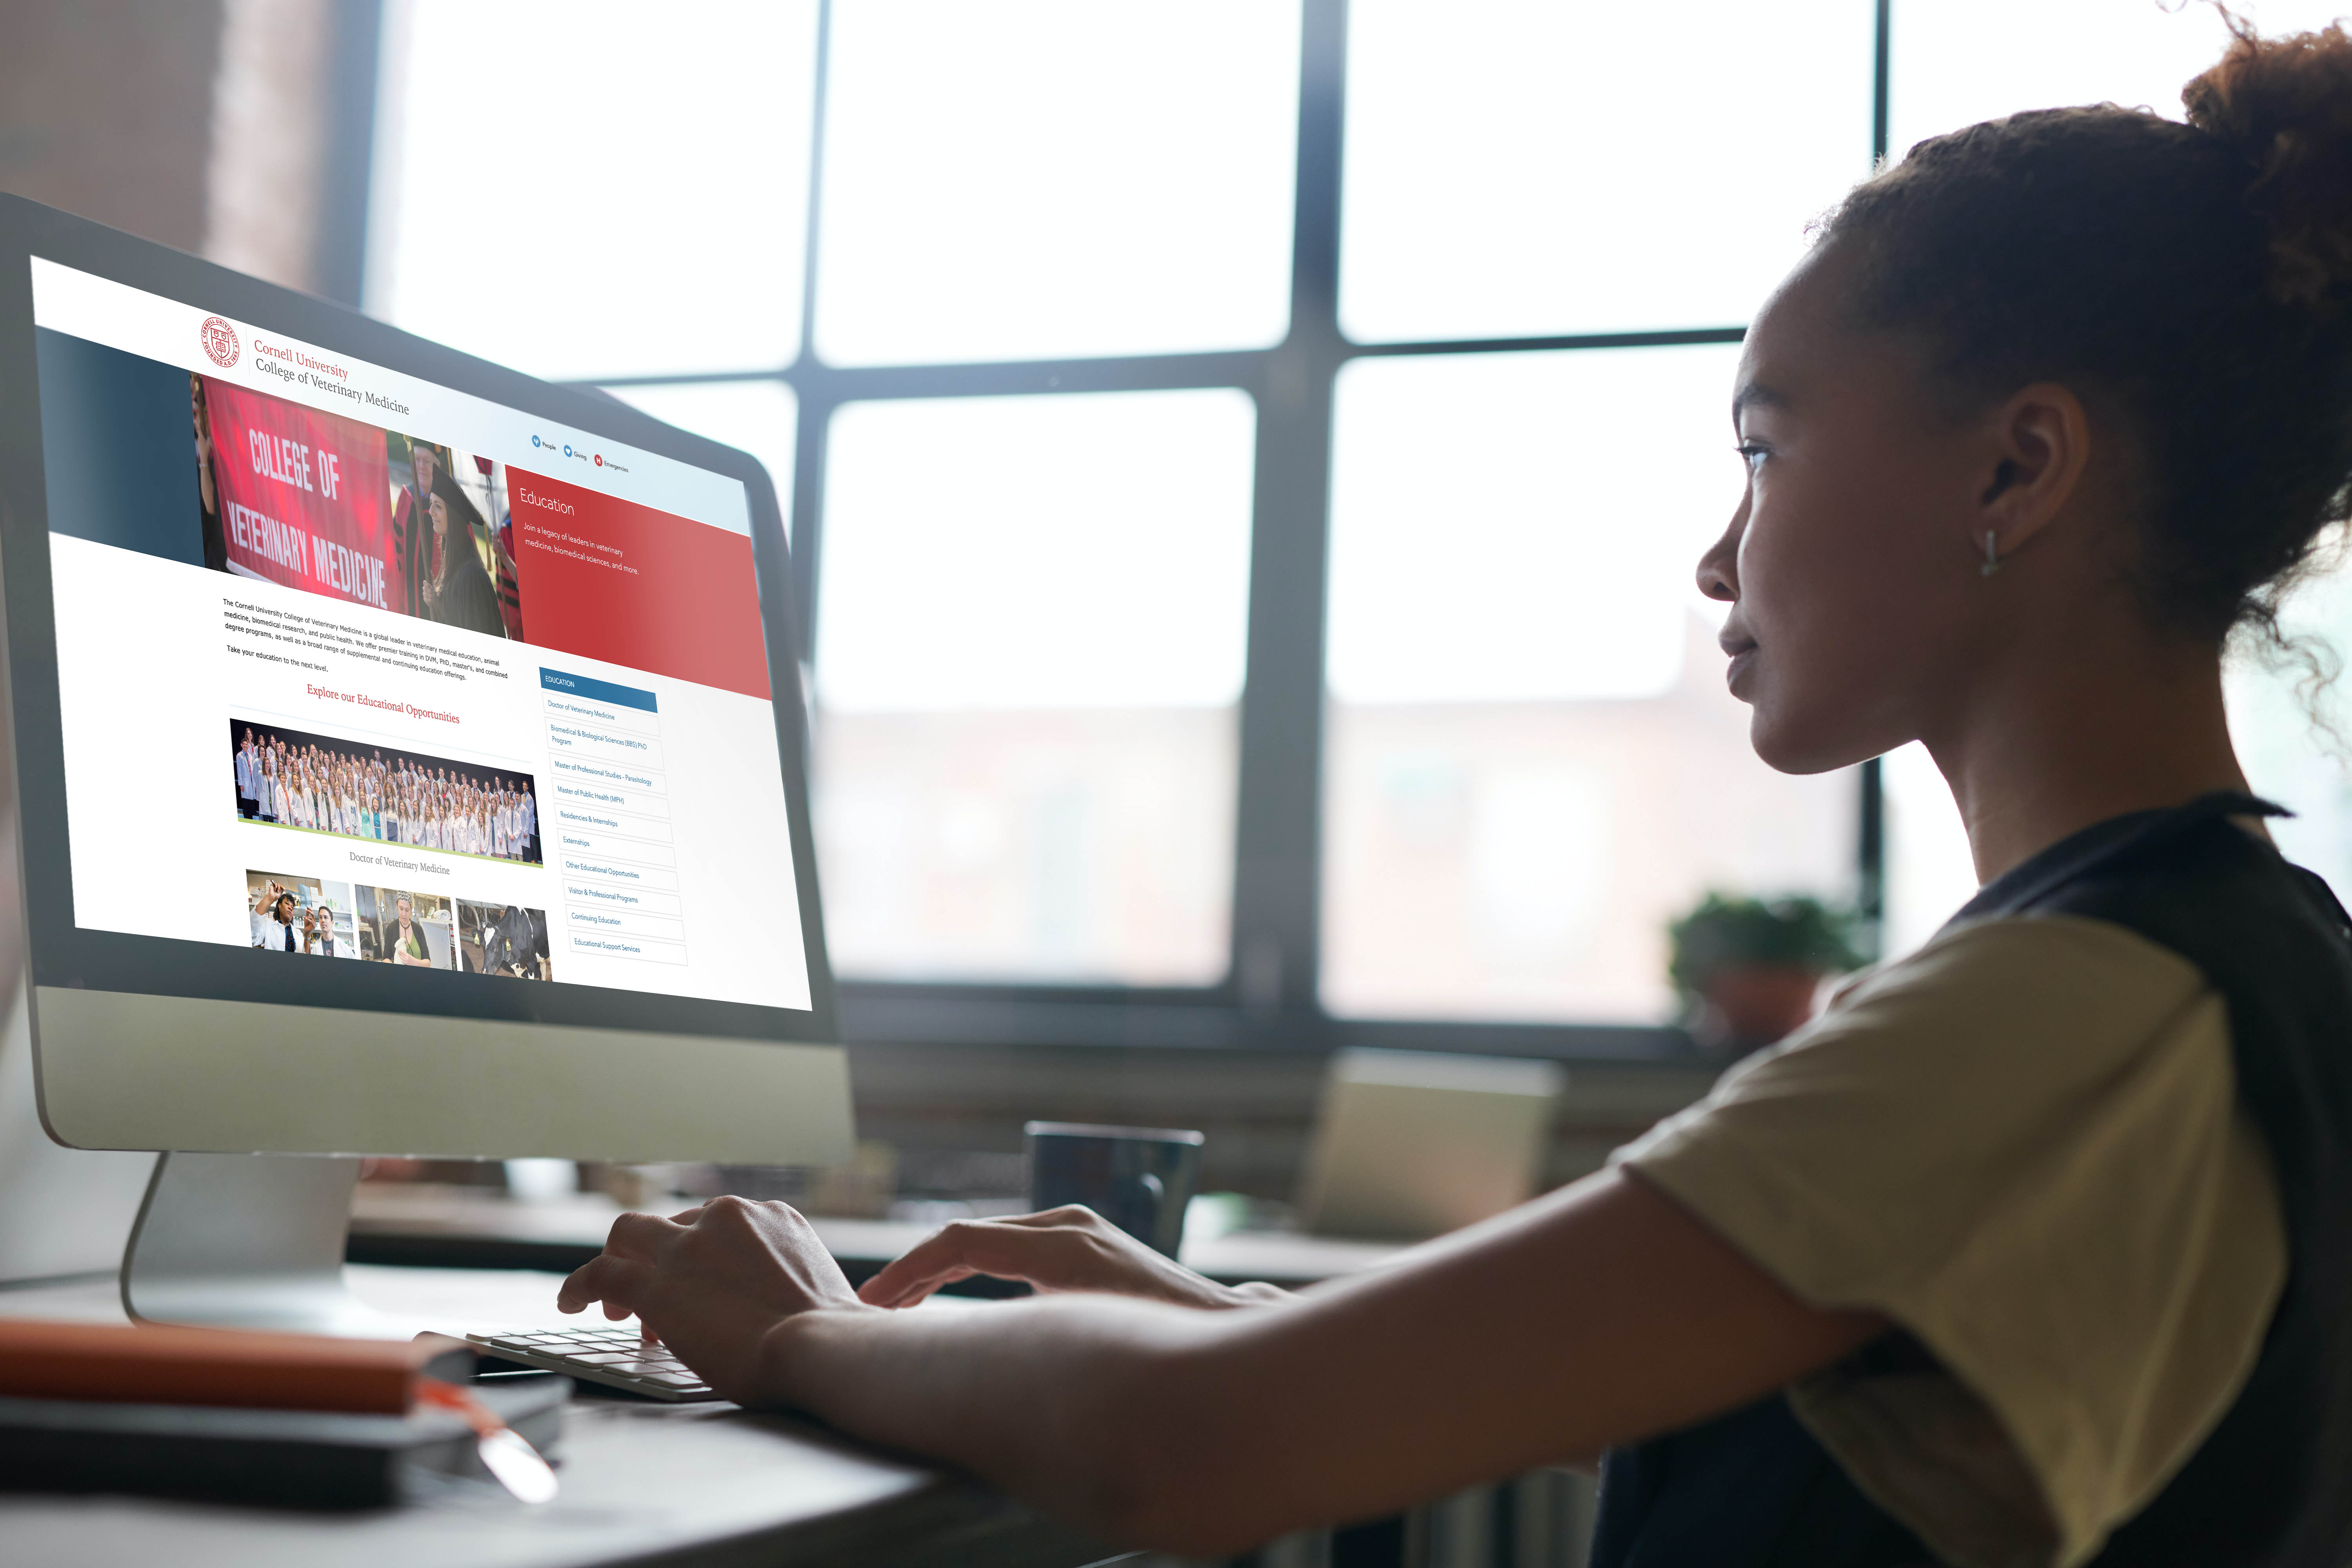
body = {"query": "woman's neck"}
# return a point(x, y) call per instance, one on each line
point(2041, 751)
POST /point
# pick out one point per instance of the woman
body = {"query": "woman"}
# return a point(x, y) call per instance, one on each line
point(281, 913)
point(2037, 1246)
point(456, 591)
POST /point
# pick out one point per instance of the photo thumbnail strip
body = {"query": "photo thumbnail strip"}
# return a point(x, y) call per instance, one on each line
point(309, 782)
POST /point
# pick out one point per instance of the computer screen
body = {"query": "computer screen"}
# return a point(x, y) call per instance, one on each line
point(361, 669)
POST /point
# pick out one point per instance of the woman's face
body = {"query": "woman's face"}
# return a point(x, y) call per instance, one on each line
point(1849, 565)
point(440, 510)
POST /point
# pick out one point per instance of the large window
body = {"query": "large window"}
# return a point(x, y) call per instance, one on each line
point(1516, 169)
point(1246, 460)
point(613, 190)
point(1028, 676)
point(1530, 763)
point(1052, 179)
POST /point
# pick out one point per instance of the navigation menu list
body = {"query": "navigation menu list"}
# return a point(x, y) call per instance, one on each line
point(605, 821)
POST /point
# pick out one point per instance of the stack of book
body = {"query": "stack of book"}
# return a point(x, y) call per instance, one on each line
point(289, 1419)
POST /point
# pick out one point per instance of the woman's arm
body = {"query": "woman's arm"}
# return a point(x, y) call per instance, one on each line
point(1598, 1315)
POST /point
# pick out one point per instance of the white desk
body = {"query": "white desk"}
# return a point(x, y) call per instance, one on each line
point(686, 1484)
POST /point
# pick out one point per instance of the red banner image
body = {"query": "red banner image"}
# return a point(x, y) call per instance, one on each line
point(304, 498)
point(613, 580)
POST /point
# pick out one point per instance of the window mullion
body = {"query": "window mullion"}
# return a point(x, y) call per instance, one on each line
point(1277, 831)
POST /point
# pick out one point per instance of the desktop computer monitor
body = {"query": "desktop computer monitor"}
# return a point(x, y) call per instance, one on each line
point(407, 755)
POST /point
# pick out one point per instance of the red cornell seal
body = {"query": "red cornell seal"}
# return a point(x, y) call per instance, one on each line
point(219, 340)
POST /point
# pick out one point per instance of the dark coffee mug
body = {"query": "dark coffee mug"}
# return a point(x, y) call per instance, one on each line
point(1138, 1178)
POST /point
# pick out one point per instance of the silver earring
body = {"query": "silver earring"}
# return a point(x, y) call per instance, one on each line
point(1992, 554)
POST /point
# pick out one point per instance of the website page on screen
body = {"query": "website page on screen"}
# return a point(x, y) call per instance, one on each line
point(356, 666)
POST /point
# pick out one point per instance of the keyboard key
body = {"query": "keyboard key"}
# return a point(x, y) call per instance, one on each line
point(619, 1355)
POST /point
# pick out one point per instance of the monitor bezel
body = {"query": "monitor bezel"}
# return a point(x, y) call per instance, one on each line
point(60, 953)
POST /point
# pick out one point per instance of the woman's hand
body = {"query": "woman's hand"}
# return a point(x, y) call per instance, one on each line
point(1069, 1248)
point(710, 1283)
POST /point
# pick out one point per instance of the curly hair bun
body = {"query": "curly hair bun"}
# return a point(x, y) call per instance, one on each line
point(2194, 279)
point(2285, 104)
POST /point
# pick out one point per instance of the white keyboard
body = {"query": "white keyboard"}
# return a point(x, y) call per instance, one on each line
point(616, 1357)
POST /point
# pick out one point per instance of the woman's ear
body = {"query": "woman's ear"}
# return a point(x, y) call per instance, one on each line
point(2039, 446)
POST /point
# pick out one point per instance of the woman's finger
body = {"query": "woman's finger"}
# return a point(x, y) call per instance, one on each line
point(637, 1235)
point(605, 1278)
point(902, 1277)
point(965, 1245)
point(1066, 1215)
point(907, 1293)
point(1051, 1259)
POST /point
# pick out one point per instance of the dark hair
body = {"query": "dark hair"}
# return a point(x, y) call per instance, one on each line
point(2193, 283)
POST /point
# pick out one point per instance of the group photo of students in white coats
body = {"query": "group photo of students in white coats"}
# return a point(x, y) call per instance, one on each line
point(320, 783)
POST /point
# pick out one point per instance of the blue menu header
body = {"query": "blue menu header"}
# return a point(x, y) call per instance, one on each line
point(596, 691)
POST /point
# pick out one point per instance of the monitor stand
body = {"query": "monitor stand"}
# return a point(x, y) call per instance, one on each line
point(251, 1241)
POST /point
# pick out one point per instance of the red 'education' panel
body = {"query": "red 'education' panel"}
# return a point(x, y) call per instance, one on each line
point(613, 580)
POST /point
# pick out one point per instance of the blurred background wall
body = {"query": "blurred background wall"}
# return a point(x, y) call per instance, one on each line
point(237, 128)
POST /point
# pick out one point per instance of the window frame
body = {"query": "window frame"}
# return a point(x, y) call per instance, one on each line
point(1270, 997)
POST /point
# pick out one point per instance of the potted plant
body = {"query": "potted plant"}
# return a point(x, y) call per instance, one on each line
point(1746, 969)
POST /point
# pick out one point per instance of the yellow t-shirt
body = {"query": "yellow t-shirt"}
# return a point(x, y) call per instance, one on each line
point(2024, 1145)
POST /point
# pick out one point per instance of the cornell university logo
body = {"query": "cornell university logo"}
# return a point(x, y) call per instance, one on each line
point(219, 340)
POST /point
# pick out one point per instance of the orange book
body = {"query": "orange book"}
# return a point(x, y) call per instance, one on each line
point(153, 1365)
